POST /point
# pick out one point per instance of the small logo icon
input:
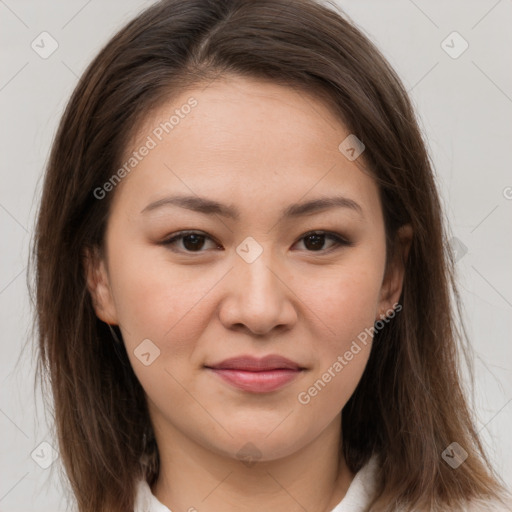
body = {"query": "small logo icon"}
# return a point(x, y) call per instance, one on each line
point(454, 455)
point(249, 454)
point(146, 352)
point(44, 455)
point(249, 250)
point(44, 45)
point(458, 248)
point(454, 45)
point(351, 147)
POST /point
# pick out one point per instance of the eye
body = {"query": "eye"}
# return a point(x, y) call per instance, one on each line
point(315, 240)
point(194, 241)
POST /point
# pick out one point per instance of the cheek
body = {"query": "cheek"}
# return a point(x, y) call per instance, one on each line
point(161, 314)
point(156, 300)
point(328, 390)
point(346, 301)
point(347, 306)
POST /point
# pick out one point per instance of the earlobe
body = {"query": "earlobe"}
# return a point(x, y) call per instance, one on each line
point(99, 286)
point(394, 277)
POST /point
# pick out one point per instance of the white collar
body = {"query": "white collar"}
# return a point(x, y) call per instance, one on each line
point(357, 498)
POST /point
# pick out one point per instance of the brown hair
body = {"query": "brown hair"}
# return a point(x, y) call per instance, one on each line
point(409, 404)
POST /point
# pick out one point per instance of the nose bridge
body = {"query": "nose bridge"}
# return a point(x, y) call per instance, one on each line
point(255, 268)
point(258, 298)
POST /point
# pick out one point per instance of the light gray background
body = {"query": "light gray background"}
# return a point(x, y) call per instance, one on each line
point(465, 109)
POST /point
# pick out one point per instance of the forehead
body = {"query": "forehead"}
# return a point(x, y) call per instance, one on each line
point(244, 138)
point(238, 110)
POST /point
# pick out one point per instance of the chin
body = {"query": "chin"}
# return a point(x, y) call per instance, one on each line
point(260, 446)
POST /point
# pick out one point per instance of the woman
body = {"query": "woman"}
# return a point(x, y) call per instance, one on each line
point(243, 292)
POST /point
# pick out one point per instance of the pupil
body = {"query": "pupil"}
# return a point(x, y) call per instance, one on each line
point(317, 241)
point(195, 239)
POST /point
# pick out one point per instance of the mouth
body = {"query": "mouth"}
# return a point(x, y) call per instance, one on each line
point(257, 375)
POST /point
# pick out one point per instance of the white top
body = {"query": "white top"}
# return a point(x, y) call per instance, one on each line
point(357, 497)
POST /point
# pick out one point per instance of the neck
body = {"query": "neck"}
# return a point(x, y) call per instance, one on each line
point(192, 477)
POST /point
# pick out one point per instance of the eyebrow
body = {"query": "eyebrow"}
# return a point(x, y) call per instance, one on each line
point(211, 207)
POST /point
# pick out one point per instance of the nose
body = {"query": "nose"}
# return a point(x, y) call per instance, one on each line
point(258, 298)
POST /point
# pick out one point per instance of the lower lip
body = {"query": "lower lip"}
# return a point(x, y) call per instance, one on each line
point(257, 382)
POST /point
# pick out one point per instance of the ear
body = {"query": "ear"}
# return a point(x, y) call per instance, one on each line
point(392, 283)
point(99, 286)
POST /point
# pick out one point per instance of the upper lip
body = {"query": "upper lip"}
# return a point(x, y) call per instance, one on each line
point(250, 363)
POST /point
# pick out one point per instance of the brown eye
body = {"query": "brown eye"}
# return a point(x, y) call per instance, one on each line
point(314, 242)
point(191, 242)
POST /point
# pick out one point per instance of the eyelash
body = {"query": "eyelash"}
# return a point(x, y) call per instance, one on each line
point(338, 239)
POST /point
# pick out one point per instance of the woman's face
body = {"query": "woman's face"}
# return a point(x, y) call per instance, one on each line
point(249, 156)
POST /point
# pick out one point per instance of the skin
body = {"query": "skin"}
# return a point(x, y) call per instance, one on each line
point(259, 147)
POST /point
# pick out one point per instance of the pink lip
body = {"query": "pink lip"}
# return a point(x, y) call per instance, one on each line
point(257, 375)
